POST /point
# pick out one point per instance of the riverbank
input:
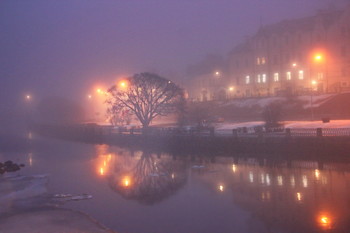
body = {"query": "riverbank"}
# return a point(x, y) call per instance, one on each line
point(283, 146)
point(50, 220)
point(27, 207)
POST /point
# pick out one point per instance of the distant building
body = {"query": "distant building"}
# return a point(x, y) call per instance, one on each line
point(294, 57)
point(210, 86)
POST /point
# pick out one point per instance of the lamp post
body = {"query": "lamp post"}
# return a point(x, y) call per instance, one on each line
point(231, 89)
point(313, 84)
point(319, 60)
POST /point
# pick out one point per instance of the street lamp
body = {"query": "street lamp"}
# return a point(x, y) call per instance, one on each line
point(313, 86)
point(123, 84)
point(28, 97)
point(231, 89)
point(318, 57)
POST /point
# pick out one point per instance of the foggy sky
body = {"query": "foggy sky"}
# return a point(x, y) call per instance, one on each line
point(67, 47)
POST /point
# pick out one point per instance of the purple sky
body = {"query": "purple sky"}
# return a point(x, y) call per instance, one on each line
point(66, 46)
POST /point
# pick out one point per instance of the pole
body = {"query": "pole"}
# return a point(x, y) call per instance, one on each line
point(311, 105)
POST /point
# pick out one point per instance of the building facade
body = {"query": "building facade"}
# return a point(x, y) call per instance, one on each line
point(294, 57)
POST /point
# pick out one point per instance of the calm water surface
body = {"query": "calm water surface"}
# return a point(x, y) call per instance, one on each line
point(140, 192)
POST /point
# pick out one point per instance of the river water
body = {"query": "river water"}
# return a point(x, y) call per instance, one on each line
point(143, 192)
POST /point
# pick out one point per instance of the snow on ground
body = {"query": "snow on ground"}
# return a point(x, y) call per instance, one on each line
point(251, 102)
point(229, 126)
point(317, 100)
point(50, 221)
point(317, 124)
point(14, 188)
point(22, 199)
point(287, 124)
point(262, 102)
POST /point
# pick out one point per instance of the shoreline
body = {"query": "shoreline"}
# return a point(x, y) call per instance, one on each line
point(53, 220)
point(280, 147)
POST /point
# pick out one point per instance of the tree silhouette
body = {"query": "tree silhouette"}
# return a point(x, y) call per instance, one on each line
point(146, 95)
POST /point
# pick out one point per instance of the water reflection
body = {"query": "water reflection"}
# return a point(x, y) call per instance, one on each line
point(141, 176)
point(292, 196)
point(297, 197)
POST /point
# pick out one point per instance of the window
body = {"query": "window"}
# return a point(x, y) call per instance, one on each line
point(259, 78)
point(301, 74)
point(247, 79)
point(258, 61)
point(263, 60)
point(289, 75)
point(276, 77)
point(264, 78)
point(320, 76)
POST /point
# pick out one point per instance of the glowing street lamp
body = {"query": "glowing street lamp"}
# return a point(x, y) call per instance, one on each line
point(28, 97)
point(318, 57)
point(313, 84)
point(123, 84)
point(231, 88)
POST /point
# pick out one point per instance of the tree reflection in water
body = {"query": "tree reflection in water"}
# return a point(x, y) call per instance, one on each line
point(146, 177)
point(297, 196)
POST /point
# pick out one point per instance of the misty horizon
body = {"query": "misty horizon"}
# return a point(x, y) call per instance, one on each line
point(67, 48)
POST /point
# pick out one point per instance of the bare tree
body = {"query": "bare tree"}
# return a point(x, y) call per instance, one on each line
point(146, 95)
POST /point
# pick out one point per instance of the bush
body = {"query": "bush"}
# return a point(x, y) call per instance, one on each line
point(272, 115)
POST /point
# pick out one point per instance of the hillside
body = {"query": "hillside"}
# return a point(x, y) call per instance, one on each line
point(334, 106)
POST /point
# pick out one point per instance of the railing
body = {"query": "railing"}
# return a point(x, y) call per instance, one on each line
point(259, 131)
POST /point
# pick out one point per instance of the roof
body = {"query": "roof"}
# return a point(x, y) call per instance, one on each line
point(326, 18)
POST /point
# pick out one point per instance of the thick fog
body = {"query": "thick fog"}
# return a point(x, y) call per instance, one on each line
point(54, 49)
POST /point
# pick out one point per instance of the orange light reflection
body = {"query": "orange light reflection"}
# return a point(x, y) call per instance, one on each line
point(325, 221)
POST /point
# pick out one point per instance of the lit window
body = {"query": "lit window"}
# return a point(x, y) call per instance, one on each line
point(264, 78)
point(289, 75)
point(280, 180)
point(319, 76)
point(276, 77)
point(301, 74)
point(304, 180)
point(251, 177)
point(259, 78)
point(258, 61)
point(247, 79)
point(263, 60)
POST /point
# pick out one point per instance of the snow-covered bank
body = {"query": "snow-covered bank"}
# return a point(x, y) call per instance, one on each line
point(26, 207)
point(307, 101)
point(50, 221)
point(14, 189)
point(287, 124)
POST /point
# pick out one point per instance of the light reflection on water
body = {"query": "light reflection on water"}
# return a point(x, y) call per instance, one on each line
point(165, 193)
